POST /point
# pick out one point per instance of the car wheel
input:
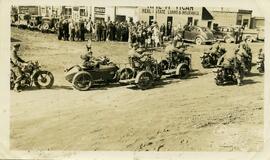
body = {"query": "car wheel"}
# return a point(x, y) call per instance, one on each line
point(228, 40)
point(198, 41)
point(249, 40)
point(183, 70)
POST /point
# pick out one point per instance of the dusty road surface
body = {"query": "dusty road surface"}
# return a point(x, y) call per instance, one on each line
point(176, 115)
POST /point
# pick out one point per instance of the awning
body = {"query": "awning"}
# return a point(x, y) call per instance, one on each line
point(206, 15)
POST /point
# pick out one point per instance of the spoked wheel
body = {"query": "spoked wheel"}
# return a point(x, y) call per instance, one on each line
point(198, 41)
point(82, 81)
point(12, 79)
point(43, 79)
point(126, 73)
point(164, 65)
point(206, 62)
point(144, 80)
point(183, 70)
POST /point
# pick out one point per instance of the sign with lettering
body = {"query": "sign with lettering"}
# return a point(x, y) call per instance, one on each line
point(33, 10)
point(173, 11)
point(99, 10)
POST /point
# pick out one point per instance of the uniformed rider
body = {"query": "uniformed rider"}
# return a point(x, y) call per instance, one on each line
point(89, 61)
point(176, 46)
point(232, 60)
point(135, 56)
point(16, 65)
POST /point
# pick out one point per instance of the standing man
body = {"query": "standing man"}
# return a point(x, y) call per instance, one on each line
point(82, 30)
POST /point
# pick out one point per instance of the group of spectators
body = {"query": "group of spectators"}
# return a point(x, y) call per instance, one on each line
point(140, 32)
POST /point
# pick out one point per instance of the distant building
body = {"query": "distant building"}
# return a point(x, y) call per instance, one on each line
point(232, 18)
point(176, 15)
point(257, 22)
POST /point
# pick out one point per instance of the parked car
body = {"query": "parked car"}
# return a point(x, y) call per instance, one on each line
point(23, 21)
point(199, 35)
point(35, 22)
point(250, 34)
point(224, 33)
point(48, 25)
point(260, 34)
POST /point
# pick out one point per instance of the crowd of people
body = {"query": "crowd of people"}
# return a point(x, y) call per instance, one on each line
point(140, 32)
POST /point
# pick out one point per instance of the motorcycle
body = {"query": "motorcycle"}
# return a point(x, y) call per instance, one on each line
point(142, 73)
point(83, 78)
point(178, 64)
point(33, 74)
point(209, 59)
point(225, 75)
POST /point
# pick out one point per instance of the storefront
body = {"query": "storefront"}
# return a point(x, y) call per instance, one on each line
point(76, 12)
point(176, 16)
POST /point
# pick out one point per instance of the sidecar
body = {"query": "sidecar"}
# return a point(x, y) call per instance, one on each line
point(84, 78)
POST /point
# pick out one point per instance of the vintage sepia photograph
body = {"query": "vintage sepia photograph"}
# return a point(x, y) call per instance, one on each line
point(136, 78)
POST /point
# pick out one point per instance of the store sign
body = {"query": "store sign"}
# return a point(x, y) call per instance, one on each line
point(33, 10)
point(176, 11)
point(99, 10)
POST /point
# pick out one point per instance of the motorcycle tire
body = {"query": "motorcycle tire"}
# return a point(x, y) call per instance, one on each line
point(41, 79)
point(82, 81)
point(12, 79)
point(144, 80)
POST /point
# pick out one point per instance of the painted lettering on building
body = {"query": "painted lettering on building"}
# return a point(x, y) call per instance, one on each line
point(171, 11)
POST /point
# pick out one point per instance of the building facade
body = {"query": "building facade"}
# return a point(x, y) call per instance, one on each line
point(257, 22)
point(232, 18)
point(176, 16)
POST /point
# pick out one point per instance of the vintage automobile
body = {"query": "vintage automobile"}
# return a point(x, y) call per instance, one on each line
point(177, 64)
point(33, 74)
point(23, 21)
point(143, 74)
point(260, 34)
point(199, 35)
point(49, 25)
point(35, 22)
point(224, 34)
point(83, 79)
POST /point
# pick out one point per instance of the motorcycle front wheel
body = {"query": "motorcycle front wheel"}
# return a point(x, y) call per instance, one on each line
point(43, 79)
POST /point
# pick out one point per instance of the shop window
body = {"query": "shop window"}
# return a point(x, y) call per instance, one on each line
point(68, 11)
point(83, 12)
point(239, 20)
point(209, 24)
point(189, 21)
point(151, 18)
point(196, 22)
point(245, 22)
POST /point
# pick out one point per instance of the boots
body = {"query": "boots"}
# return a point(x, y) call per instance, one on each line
point(17, 88)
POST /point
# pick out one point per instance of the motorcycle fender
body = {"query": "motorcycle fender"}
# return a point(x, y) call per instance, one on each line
point(178, 68)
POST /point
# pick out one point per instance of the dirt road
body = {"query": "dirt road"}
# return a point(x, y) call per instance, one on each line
point(176, 115)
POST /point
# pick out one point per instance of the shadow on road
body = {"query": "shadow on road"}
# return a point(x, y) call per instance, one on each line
point(14, 40)
point(250, 81)
point(254, 74)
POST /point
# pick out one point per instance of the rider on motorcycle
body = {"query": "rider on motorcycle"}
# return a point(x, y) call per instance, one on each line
point(16, 65)
point(244, 51)
point(232, 60)
point(89, 61)
point(176, 46)
point(135, 55)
